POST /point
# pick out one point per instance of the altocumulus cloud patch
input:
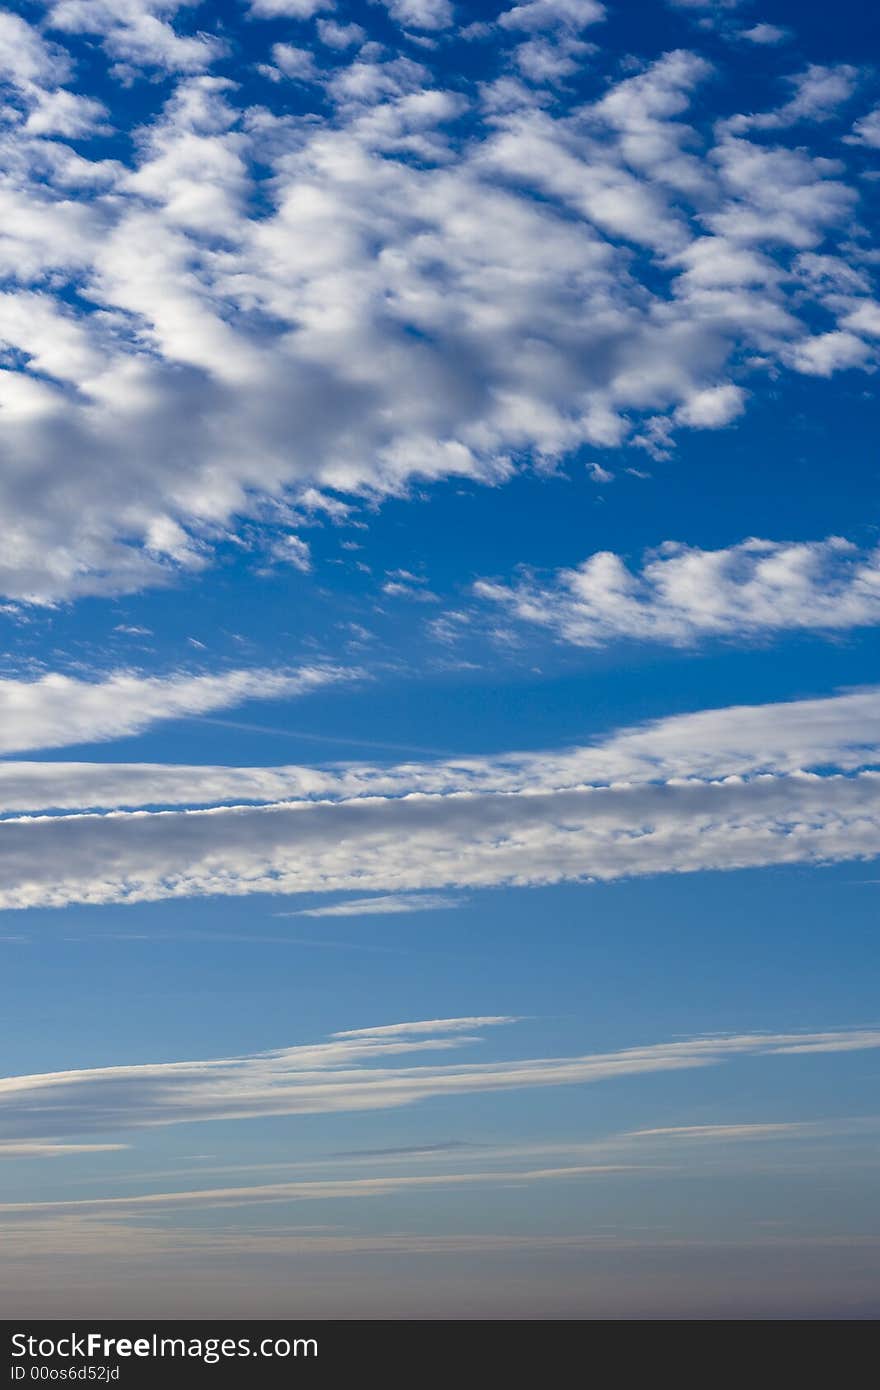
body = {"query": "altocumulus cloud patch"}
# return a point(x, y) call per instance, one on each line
point(342, 265)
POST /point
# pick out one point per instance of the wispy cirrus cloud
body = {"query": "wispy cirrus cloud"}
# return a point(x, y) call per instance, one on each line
point(356, 1070)
point(319, 1190)
point(12, 1148)
point(392, 904)
point(431, 1025)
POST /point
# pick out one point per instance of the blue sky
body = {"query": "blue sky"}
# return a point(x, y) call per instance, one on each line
point(439, 731)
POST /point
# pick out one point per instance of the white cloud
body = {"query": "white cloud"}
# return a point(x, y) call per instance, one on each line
point(27, 61)
point(104, 1242)
point(721, 789)
point(764, 34)
point(415, 842)
point(383, 906)
point(44, 1149)
point(733, 788)
point(545, 61)
point(599, 474)
point(430, 1025)
point(320, 1190)
point(139, 33)
point(292, 550)
point(421, 14)
point(724, 1133)
point(392, 295)
point(550, 14)
point(35, 70)
point(866, 131)
point(826, 353)
point(68, 114)
point(682, 595)
point(776, 197)
point(864, 319)
point(340, 36)
point(55, 709)
point(739, 742)
point(818, 93)
point(354, 1072)
point(712, 408)
point(289, 9)
point(293, 62)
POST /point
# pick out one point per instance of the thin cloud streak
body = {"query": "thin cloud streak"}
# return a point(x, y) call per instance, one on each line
point(343, 1075)
point(381, 906)
point(58, 710)
point(313, 1191)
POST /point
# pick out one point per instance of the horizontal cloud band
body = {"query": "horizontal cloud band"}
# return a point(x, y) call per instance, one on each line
point(343, 1075)
point(842, 732)
point(421, 841)
point(720, 789)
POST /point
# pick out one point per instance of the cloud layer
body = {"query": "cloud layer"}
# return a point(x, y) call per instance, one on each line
point(722, 789)
point(370, 270)
point(841, 732)
point(356, 1070)
point(467, 839)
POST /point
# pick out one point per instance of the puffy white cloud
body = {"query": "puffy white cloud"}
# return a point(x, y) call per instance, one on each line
point(27, 60)
point(826, 353)
point(712, 408)
point(34, 70)
point(374, 293)
point(864, 319)
point(550, 14)
point(543, 61)
point(66, 113)
point(291, 61)
point(818, 92)
point(361, 1070)
point(289, 9)
point(683, 594)
point(764, 34)
point(55, 709)
point(420, 14)
point(139, 33)
point(340, 36)
point(777, 196)
point(866, 131)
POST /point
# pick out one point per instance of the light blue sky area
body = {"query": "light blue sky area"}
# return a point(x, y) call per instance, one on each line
point(439, 729)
